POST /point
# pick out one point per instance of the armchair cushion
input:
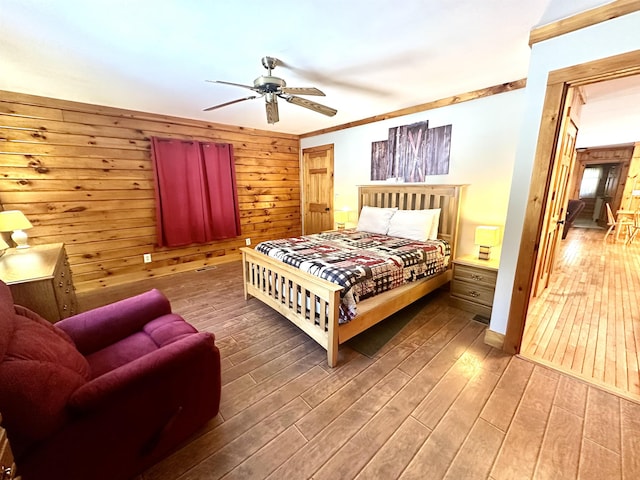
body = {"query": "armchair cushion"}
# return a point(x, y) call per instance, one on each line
point(104, 326)
point(157, 333)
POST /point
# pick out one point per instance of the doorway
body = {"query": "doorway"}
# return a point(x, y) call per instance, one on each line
point(601, 176)
point(557, 88)
point(586, 323)
point(317, 184)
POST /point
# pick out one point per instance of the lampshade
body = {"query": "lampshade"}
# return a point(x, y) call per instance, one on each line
point(14, 220)
point(486, 237)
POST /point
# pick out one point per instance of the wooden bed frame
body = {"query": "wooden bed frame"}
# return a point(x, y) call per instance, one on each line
point(317, 316)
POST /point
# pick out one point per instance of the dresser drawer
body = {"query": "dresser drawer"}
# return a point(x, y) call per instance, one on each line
point(473, 292)
point(478, 276)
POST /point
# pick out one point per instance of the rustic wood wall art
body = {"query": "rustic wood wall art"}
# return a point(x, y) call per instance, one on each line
point(411, 153)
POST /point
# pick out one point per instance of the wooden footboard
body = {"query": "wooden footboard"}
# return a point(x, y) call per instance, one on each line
point(309, 302)
point(312, 303)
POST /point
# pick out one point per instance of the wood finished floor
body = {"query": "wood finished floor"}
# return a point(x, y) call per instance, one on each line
point(435, 402)
point(588, 321)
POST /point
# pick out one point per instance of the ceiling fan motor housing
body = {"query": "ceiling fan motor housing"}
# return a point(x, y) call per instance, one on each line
point(268, 84)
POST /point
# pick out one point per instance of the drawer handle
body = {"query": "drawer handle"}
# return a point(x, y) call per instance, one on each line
point(64, 307)
point(5, 472)
point(473, 293)
point(60, 284)
point(67, 291)
point(475, 276)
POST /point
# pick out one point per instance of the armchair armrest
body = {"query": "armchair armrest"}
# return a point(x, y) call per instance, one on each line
point(102, 326)
point(153, 376)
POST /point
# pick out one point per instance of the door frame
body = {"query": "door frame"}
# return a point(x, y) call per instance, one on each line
point(558, 84)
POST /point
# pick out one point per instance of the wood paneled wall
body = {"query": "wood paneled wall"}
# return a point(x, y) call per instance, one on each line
point(82, 174)
point(633, 181)
point(614, 154)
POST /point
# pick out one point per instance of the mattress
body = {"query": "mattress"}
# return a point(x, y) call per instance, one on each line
point(363, 264)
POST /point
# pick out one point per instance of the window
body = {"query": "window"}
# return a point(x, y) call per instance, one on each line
point(590, 181)
point(196, 197)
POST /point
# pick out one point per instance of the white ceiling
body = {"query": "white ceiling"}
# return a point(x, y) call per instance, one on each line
point(611, 113)
point(369, 56)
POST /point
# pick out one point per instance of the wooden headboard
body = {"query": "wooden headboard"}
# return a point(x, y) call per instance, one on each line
point(418, 196)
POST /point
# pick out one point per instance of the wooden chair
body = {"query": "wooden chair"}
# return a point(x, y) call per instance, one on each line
point(617, 224)
point(611, 222)
point(635, 227)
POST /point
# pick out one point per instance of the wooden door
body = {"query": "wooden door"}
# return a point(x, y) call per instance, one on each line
point(317, 168)
point(556, 205)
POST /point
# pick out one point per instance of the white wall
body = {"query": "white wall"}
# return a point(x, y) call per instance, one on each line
point(599, 41)
point(483, 143)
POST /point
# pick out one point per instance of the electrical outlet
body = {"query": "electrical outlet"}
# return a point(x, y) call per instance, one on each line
point(146, 257)
point(247, 241)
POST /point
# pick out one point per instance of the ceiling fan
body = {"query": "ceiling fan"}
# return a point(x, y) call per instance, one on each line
point(271, 88)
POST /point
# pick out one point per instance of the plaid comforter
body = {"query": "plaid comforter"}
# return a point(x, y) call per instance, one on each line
point(364, 264)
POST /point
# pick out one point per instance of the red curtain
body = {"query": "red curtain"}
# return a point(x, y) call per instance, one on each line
point(196, 197)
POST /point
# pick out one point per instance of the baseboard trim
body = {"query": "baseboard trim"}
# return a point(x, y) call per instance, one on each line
point(494, 339)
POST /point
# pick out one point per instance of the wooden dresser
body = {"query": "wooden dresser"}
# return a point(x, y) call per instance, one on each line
point(7, 466)
point(474, 284)
point(40, 279)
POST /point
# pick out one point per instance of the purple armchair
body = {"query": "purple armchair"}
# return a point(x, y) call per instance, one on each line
point(106, 393)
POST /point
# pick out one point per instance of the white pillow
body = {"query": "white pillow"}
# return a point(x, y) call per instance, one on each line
point(375, 219)
point(420, 225)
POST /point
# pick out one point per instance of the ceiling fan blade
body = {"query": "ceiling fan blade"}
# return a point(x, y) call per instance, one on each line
point(316, 76)
point(229, 103)
point(302, 91)
point(250, 87)
point(316, 107)
point(272, 110)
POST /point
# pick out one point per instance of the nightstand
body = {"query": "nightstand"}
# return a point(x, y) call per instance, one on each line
point(40, 279)
point(474, 284)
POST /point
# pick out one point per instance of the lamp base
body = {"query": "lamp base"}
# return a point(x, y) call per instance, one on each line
point(484, 253)
point(21, 238)
point(340, 225)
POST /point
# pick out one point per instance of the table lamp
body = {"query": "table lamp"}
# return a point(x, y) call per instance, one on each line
point(341, 217)
point(486, 237)
point(14, 220)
